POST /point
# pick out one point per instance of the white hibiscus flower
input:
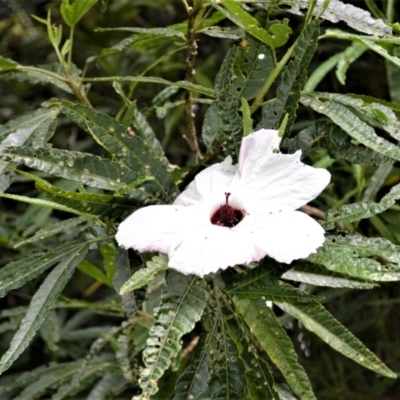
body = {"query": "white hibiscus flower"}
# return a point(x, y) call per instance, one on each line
point(235, 214)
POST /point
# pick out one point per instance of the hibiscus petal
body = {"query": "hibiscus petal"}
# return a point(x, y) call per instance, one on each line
point(209, 186)
point(155, 228)
point(210, 248)
point(285, 236)
point(272, 181)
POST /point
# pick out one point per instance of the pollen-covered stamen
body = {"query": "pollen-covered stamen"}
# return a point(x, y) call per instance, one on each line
point(227, 215)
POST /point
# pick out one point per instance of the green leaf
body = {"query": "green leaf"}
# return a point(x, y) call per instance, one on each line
point(132, 151)
point(367, 258)
point(328, 136)
point(17, 273)
point(316, 319)
point(33, 129)
point(84, 168)
point(352, 124)
point(7, 64)
point(88, 203)
point(182, 305)
point(234, 11)
point(376, 182)
point(109, 385)
point(72, 13)
point(247, 122)
point(194, 379)
point(90, 269)
point(153, 79)
point(242, 73)
point(144, 130)
point(167, 32)
point(293, 77)
point(44, 203)
point(42, 300)
point(273, 338)
point(258, 282)
point(356, 211)
point(52, 230)
point(38, 380)
point(145, 275)
point(318, 276)
point(351, 54)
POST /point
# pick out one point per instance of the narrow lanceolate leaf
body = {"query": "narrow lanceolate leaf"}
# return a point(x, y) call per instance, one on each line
point(39, 379)
point(237, 14)
point(42, 300)
point(328, 136)
point(258, 282)
point(352, 124)
point(356, 211)
point(85, 168)
point(130, 149)
point(145, 275)
point(51, 230)
point(135, 119)
point(293, 77)
point(336, 11)
point(88, 203)
point(33, 129)
point(242, 74)
point(358, 256)
point(273, 338)
point(182, 305)
point(315, 318)
point(260, 381)
point(319, 276)
point(6, 64)
point(17, 273)
point(194, 379)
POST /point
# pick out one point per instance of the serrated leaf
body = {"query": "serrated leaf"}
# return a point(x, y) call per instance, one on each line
point(39, 379)
point(260, 381)
point(143, 129)
point(355, 255)
point(131, 150)
point(376, 182)
point(357, 211)
point(84, 168)
point(273, 338)
point(351, 54)
point(194, 379)
point(121, 275)
point(17, 273)
point(336, 11)
point(242, 73)
point(88, 203)
point(108, 386)
point(93, 370)
point(72, 13)
point(182, 305)
point(33, 129)
point(234, 11)
point(48, 231)
point(328, 136)
point(145, 275)
point(258, 282)
point(42, 300)
point(319, 276)
point(229, 32)
point(293, 77)
point(315, 318)
point(352, 124)
point(149, 31)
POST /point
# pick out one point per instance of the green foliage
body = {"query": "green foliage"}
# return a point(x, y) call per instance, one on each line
point(100, 110)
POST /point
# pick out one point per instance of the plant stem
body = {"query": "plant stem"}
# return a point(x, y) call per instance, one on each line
point(191, 52)
point(271, 79)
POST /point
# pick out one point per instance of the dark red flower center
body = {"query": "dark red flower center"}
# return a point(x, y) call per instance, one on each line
point(227, 215)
